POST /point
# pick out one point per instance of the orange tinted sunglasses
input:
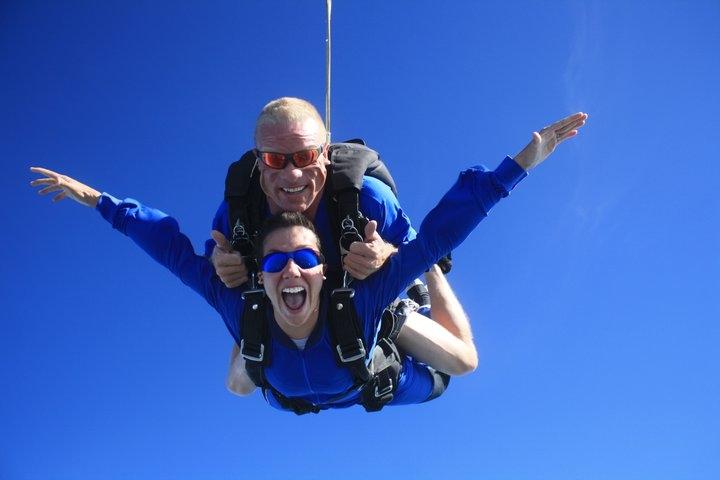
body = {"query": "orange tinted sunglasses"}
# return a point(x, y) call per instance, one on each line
point(300, 159)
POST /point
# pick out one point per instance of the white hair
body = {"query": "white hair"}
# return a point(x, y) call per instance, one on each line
point(287, 110)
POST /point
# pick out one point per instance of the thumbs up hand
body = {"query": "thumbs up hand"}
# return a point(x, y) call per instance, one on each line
point(366, 258)
point(229, 265)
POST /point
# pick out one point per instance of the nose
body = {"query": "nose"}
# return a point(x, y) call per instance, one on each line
point(291, 171)
point(291, 269)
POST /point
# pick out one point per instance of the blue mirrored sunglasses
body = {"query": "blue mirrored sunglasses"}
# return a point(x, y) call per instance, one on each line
point(303, 258)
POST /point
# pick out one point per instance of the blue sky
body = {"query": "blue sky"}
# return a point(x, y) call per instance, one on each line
point(593, 290)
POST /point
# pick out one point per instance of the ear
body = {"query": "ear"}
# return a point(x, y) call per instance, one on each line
point(260, 278)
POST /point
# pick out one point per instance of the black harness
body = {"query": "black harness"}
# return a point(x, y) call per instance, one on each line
point(377, 380)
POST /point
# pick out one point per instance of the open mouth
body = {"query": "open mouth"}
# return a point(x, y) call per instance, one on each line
point(294, 297)
point(294, 189)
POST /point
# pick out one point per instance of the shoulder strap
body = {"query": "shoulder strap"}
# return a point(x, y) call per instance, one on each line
point(245, 201)
point(351, 161)
point(344, 329)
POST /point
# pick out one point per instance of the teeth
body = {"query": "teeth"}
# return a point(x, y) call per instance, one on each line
point(294, 190)
point(293, 290)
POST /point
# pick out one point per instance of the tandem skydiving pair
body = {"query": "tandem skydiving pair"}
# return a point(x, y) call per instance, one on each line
point(311, 251)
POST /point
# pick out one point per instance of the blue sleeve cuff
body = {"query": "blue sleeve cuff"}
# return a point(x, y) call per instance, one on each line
point(107, 206)
point(509, 173)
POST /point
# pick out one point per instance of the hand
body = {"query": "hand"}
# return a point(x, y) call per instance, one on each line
point(229, 265)
point(68, 187)
point(544, 142)
point(366, 258)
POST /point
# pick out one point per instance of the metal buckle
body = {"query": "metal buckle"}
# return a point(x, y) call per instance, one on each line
point(348, 234)
point(250, 293)
point(247, 356)
point(350, 292)
point(359, 355)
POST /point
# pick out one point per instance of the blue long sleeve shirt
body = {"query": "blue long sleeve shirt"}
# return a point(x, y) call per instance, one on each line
point(312, 373)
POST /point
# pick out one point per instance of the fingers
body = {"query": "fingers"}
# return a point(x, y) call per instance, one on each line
point(234, 281)
point(571, 126)
point(59, 196)
point(571, 129)
point(230, 268)
point(371, 231)
point(43, 181)
point(567, 135)
point(565, 128)
point(226, 271)
point(232, 272)
point(363, 249)
point(228, 260)
point(45, 171)
point(50, 189)
point(579, 116)
point(221, 241)
point(355, 267)
point(365, 264)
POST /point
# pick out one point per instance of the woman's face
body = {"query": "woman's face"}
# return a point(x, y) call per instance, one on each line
point(294, 292)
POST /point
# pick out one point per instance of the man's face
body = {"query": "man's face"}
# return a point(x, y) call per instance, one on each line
point(293, 189)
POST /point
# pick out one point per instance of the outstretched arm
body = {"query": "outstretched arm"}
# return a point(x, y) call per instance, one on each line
point(155, 232)
point(461, 209)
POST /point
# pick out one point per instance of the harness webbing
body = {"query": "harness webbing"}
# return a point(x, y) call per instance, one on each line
point(350, 162)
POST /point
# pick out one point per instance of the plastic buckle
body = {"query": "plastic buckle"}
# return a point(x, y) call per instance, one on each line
point(255, 358)
point(352, 357)
point(385, 390)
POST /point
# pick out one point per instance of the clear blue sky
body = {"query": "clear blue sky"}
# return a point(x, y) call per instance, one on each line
point(593, 290)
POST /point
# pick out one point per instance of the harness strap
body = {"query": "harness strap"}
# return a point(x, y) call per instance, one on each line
point(245, 200)
point(343, 323)
point(351, 161)
point(386, 363)
point(253, 344)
